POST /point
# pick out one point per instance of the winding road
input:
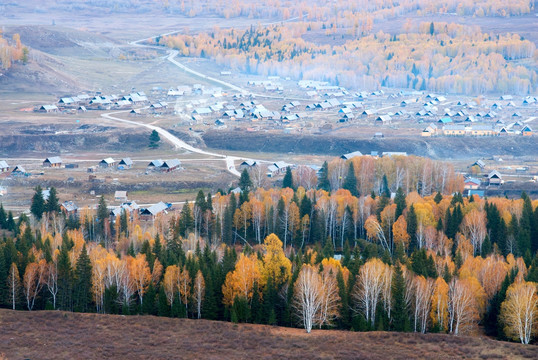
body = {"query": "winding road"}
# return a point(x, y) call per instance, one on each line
point(174, 140)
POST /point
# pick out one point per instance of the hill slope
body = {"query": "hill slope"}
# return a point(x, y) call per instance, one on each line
point(60, 335)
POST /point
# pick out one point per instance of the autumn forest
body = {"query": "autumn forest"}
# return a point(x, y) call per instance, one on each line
point(367, 244)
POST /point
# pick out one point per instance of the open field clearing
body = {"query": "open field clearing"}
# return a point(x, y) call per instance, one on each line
point(59, 335)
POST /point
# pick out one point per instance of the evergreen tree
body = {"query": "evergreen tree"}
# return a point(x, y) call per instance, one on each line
point(399, 200)
point(287, 182)
point(186, 221)
point(154, 139)
point(38, 203)
point(323, 179)
point(386, 190)
point(245, 183)
point(3, 217)
point(350, 183)
point(83, 282)
point(438, 197)
point(65, 277)
point(102, 217)
point(400, 316)
point(53, 205)
point(412, 228)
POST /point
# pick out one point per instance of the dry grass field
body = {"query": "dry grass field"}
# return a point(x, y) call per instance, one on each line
point(59, 335)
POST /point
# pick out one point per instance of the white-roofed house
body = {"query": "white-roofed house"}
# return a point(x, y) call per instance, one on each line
point(125, 163)
point(54, 161)
point(106, 163)
point(4, 167)
point(171, 165)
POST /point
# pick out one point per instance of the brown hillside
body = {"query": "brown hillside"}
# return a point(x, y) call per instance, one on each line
point(59, 335)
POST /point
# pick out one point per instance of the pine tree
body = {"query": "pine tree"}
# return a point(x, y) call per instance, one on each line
point(52, 206)
point(38, 203)
point(186, 221)
point(386, 190)
point(65, 277)
point(350, 183)
point(399, 200)
point(288, 179)
point(83, 282)
point(323, 179)
point(154, 139)
point(438, 197)
point(3, 217)
point(245, 183)
point(400, 316)
point(102, 217)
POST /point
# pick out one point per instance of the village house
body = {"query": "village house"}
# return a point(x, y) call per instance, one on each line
point(495, 178)
point(155, 164)
point(54, 162)
point(350, 155)
point(69, 208)
point(120, 195)
point(454, 130)
point(4, 167)
point(170, 165)
point(106, 163)
point(472, 183)
point(151, 212)
point(48, 108)
point(430, 130)
point(247, 164)
point(18, 170)
point(125, 163)
point(526, 131)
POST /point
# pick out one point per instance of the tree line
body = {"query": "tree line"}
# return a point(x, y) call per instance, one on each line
point(291, 257)
point(440, 57)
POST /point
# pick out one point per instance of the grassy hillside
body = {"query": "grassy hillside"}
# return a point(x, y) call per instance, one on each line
point(60, 335)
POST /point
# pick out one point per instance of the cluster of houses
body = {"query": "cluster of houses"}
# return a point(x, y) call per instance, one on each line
point(85, 102)
point(476, 186)
point(516, 128)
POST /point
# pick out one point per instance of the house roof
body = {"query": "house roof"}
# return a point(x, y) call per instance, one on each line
point(3, 164)
point(54, 160)
point(19, 168)
point(472, 180)
point(172, 163)
point(155, 209)
point(248, 163)
point(156, 163)
point(494, 173)
point(108, 160)
point(126, 161)
point(351, 155)
point(69, 206)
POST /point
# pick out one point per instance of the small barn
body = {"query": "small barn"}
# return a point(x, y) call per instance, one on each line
point(4, 167)
point(54, 162)
point(170, 165)
point(495, 178)
point(18, 170)
point(69, 208)
point(155, 164)
point(106, 163)
point(350, 155)
point(125, 163)
point(151, 212)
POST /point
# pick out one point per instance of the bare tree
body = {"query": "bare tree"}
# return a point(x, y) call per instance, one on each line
point(308, 296)
point(199, 289)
